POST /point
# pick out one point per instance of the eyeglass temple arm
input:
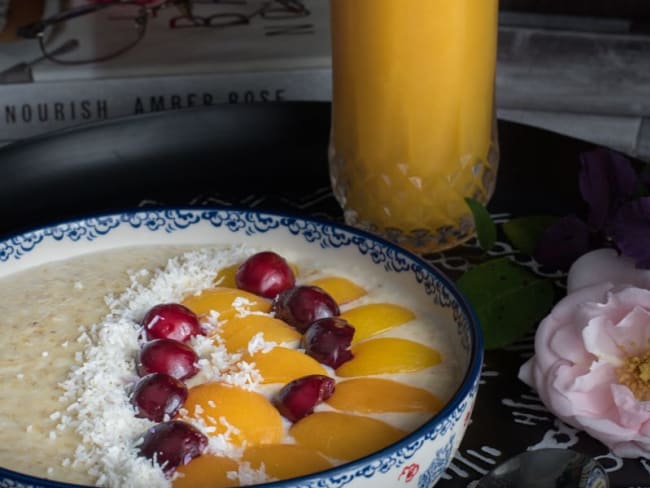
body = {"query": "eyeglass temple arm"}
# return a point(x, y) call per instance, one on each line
point(30, 31)
point(293, 5)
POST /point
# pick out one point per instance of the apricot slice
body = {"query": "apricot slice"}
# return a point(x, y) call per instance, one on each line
point(342, 290)
point(246, 415)
point(282, 365)
point(207, 471)
point(388, 355)
point(377, 395)
point(344, 436)
point(226, 276)
point(374, 318)
point(237, 332)
point(284, 461)
point(228, 302)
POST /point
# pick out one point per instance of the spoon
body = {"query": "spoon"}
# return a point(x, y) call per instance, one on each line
point(546, 468)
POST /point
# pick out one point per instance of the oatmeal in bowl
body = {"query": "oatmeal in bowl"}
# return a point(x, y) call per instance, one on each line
point(221, 347)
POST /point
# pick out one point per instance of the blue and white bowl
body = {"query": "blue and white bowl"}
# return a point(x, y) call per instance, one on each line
point(419, 459)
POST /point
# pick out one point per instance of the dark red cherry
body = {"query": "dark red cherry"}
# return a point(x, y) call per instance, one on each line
point(301, 305)
point(158, 395)
point(172, 444)
point(171, 321)
point(167, 356)
point(328, 341)
point(298, 398)
point(266, 274)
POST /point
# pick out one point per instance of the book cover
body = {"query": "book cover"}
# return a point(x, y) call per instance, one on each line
point(224, 51)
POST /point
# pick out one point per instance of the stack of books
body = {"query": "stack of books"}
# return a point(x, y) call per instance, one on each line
point(572, 67)
point(260, 56)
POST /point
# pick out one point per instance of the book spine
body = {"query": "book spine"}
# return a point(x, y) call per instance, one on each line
point(30, 109)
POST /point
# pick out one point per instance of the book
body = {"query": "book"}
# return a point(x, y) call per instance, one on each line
point(255, 55)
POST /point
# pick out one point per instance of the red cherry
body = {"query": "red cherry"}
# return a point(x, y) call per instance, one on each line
point(167, 356)
point(298, 398)
point(328, 341)
point(265, 274)
point(301, 305)
point(158, 395)
point(171, 321)
point(172, 444)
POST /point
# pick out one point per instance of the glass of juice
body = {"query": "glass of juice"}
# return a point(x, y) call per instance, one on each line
point(413, 118)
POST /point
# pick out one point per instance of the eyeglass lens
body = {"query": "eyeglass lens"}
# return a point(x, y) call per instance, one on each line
point(105, 32)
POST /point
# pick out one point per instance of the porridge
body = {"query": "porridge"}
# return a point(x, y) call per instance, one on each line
point(74, 348)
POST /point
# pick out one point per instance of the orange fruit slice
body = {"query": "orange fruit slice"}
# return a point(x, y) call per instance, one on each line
point(342, 290)
point(226, 276)
point(374, 318)
point(282, 365)
point(221, 406)
point(228, 302)
point(344, 436)
point(388, 355)
point(207, 471)
point(237, 332)
point(284, 461)
point(377, 395)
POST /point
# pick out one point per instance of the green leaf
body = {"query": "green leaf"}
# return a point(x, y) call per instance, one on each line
point(509, 300)
point(525, 232)
point(486, 230)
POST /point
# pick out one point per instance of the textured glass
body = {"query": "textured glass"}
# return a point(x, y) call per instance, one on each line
point(413, 126)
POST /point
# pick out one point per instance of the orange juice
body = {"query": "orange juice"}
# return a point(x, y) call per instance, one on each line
point(413, 125)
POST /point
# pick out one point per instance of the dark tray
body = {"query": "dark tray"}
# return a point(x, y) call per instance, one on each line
point(274, 156)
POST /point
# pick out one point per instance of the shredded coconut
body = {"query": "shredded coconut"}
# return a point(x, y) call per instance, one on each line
point(258, 344)
point(97, 390)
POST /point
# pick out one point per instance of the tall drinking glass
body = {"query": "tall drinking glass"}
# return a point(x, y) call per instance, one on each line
point(413, 117)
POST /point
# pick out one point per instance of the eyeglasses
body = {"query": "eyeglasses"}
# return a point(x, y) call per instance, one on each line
point(119, 25)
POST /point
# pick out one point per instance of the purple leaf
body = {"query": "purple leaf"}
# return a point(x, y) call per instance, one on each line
point(607, 180)
point(563, 242)
point(631, 231)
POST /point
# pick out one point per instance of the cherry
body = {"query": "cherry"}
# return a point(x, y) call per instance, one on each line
point(167, 356)
point(172, 444)
point(171, 321)
point(265, 274)
point(158, 395)
point(328, 341)
point(301, 305)
point(298, 398)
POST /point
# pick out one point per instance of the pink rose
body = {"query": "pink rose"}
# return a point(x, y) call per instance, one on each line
point(592, 354)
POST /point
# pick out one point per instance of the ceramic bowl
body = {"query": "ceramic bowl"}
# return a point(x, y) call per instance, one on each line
point(419, 459)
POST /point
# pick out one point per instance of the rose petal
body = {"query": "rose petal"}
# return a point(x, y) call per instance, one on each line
point(604, 265)
point(558, 382)
point(567, 343)
point(631, 449)
point(582, 391)
point(632, 413)
point(526, 372)
point(607, 431)
point(591, 393)
point(568, 313)
point(599, 338)
point(632, 334)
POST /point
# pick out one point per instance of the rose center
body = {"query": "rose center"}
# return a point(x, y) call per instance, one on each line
point(635, 374)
